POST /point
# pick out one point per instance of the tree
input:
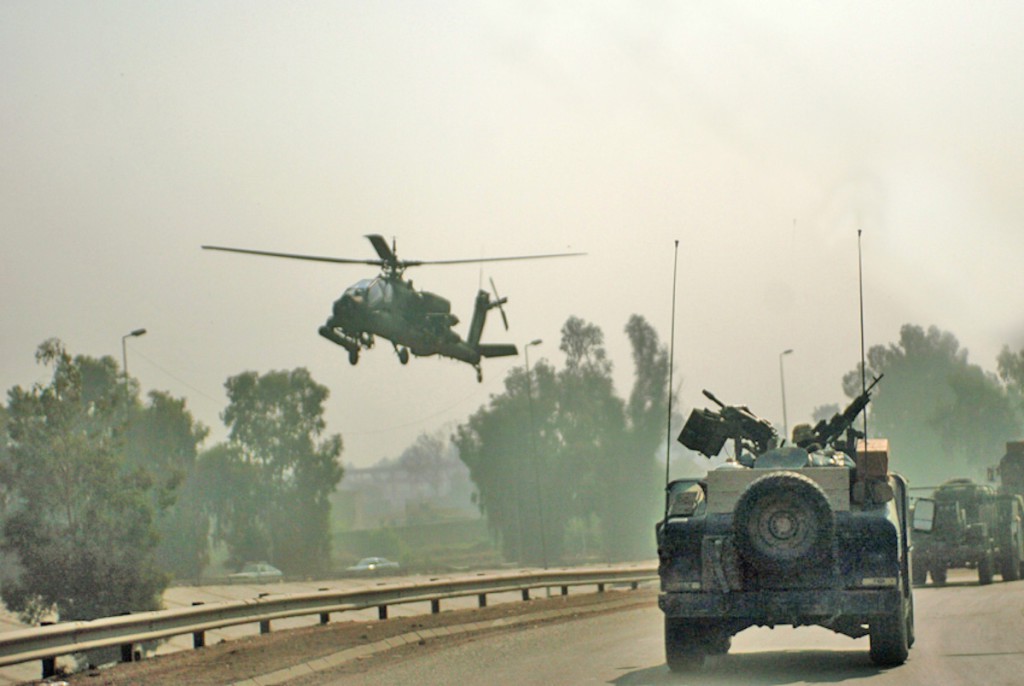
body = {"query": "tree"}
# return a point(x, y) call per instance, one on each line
point(944, 416)
point(590, 425)
point(495, 446)
point(562, 449)
point(80, 523)
point(274, 421)
point(163, 439)
point(631, 480)
point(232, 492)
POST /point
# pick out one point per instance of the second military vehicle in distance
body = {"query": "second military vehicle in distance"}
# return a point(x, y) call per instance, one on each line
point(967, 524)
point(811, 534)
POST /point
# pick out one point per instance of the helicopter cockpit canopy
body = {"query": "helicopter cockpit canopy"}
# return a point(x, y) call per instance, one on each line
point(357, 291)
point(379, 293)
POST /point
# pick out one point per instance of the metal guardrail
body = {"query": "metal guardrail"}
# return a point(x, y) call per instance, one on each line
point(46, 643)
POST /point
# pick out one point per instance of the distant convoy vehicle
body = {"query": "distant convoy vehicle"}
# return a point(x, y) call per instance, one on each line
point(373, 565)
point(968, 525)
point(811, 534)
point(257, 571)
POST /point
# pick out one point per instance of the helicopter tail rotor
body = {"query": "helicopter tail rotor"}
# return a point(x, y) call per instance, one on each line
point(498, 302)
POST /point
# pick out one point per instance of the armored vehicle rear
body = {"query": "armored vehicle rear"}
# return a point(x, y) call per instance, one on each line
point(802, 535)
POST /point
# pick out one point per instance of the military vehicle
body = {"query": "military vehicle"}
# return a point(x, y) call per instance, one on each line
point(795, 535)
point(967, 524)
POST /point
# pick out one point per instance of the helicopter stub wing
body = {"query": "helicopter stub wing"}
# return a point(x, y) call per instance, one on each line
point(497, 349)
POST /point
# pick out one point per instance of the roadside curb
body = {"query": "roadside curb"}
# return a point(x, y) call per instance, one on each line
point(341, 657)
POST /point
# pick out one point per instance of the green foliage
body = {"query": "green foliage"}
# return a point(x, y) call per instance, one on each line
point(163, 439)
point(944, 416)
point(80, 516)
point(232, 491)
point(495, 446)
point(273, 479)
point(562, 449)
point(632, 478)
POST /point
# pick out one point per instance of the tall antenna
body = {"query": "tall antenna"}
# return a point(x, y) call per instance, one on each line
point(671, 360)
point(863, 364)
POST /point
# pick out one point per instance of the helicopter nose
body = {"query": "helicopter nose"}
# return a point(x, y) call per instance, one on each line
point(344, 305)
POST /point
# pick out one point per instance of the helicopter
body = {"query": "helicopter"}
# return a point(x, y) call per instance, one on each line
point(416, 322)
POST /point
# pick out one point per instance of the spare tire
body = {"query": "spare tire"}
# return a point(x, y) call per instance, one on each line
point(783, 523)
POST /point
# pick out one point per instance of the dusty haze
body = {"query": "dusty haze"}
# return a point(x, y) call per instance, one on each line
point(761, 138)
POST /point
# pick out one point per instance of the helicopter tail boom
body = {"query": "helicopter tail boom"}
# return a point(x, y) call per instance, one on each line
point(476, 326)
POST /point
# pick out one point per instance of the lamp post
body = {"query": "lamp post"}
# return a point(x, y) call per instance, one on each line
point(536, 457)
point(782, 382)
point(124, 354)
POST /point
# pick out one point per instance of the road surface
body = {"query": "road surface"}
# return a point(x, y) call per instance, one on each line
point(966, 635)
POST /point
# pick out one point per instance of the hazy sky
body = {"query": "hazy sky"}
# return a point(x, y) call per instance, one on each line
point(759, 136)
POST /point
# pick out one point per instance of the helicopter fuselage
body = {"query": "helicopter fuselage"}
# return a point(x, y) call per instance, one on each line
point(418, 321)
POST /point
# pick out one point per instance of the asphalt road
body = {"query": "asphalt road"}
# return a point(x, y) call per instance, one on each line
point(966, 634)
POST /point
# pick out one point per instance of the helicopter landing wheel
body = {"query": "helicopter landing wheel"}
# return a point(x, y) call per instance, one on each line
point(353, 356)
point(403, 355)
point(479, 375)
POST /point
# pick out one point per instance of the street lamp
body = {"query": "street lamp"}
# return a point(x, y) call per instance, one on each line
point(782, 381)
point(536, 457)
point(124, 353)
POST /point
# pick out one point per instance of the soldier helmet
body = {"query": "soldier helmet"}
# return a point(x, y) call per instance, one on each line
point(803, 436)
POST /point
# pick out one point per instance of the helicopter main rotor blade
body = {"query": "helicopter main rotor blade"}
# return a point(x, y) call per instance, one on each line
point(293, 256)
point(382, 248)
point(494, 259)
point(388, 258)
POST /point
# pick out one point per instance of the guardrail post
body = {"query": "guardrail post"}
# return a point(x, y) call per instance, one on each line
point(49, 667)
point(49, 663)
point(128, 649)
point(198, 637)
point(325, 617)
point(481, 600)
point(435, 606)
point(526, 594)
point(264, 623)
point(382, 612)
point(565, 590)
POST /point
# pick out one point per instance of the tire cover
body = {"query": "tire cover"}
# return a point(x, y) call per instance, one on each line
point(783, 523)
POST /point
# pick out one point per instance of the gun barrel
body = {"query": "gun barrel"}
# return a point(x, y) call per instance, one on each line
point(711, 396)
